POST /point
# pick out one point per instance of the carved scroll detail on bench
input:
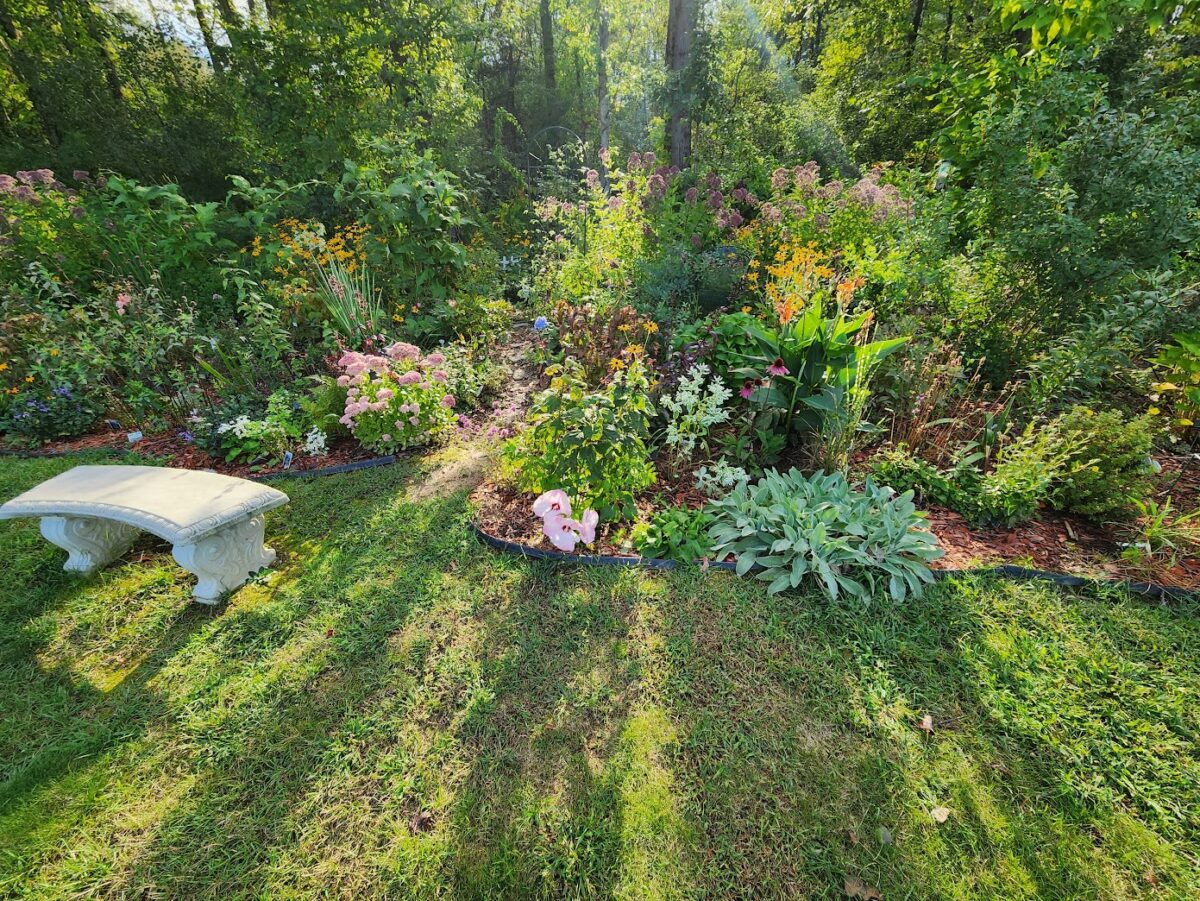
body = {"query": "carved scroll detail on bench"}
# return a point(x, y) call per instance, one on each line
point(224, 559)
point(90, 542)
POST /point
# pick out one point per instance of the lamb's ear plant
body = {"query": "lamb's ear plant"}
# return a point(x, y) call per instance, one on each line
point(790, 528)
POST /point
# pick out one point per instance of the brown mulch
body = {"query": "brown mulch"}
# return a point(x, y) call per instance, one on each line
point(171, 447)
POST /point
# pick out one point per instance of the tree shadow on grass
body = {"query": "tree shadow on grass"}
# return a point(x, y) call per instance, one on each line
point(88, 725)
point(800, 739)
point(290, 713)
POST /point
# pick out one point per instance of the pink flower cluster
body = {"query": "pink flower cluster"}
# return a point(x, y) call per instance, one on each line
point(554, 507)
point(400, 390)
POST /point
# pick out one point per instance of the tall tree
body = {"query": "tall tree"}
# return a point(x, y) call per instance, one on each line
point(681, 30)
point(215, 53)
point(604, 111)
point(547, 29)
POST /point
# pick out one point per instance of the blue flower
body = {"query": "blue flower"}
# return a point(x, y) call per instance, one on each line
point(540, 323)
point(187, 436)
point(63, 390)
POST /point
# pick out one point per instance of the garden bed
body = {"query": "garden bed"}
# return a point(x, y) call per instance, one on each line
point(1054, 542)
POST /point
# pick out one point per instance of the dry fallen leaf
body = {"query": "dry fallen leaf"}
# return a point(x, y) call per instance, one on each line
point(856, 888)
point(927, 724)
point(940, 814)
point(853, 836)
point(422, 821)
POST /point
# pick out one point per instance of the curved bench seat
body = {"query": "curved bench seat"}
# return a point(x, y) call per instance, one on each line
point(214, 522)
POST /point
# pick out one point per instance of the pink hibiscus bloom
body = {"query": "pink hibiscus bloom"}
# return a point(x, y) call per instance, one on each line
point(553, 502)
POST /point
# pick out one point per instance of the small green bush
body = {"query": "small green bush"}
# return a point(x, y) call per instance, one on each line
point(591, 443)
point(36, 415)
point(818, 528)
point(1116, 463)
point(675, 533)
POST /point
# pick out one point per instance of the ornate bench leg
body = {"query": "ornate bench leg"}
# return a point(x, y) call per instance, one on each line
point(90, 542)
point(223, 560)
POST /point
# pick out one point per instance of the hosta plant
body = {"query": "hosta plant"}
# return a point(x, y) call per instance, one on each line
point(793, 529)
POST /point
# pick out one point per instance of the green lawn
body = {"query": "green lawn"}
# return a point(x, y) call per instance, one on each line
point(396, 711)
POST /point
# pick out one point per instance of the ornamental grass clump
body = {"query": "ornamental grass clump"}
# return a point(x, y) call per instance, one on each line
point(795, 528)
point(397, 400)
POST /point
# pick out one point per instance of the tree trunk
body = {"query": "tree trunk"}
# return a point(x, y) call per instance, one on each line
point(547, 28)
point(681, 28)
point(946, 31)
point(914, 31)
point(604, 110)
point(206, 33)
point(95, 26)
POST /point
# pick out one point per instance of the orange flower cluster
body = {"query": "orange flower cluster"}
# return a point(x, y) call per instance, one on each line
point(797, 271)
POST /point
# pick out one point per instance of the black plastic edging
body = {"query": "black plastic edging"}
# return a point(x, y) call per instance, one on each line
point(1006, 571)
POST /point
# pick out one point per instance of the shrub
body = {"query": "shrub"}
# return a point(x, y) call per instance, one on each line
point(589, 442)
point(266, 438)
point(1116, 463)
point(818, 528)
point(396, 401)
point(36, 414)
point(1181, 360)
point(675, 533)
point(692, 410)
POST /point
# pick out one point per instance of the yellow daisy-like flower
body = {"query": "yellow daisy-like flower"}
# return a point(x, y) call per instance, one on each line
point(3, 367)
point(54, 351)
point(616, 363)
point(651, 327)
point(746, 309)
point(29, 378)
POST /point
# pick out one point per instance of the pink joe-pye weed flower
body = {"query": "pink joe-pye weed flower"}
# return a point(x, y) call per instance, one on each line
point(385, 438)
point(448, 401)
point(553, 501)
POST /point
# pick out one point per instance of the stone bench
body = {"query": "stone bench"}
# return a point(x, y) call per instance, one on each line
point(214, 522)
